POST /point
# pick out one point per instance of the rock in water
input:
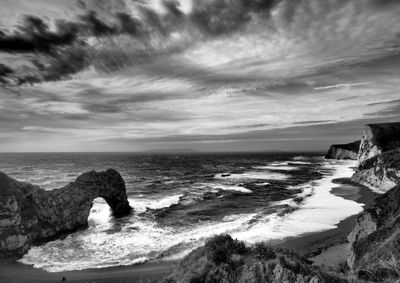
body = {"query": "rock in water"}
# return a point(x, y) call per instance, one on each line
point(30, 215)
point(343, 151)
point(375, 240)
point(379, 157)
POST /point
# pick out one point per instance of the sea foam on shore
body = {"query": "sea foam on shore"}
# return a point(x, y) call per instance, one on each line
point(135, 239)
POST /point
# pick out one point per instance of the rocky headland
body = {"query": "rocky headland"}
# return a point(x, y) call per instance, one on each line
point(379, 157)
point(344, 151)
point(30, 215)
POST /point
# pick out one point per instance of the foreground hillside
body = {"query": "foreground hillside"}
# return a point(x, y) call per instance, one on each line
point(225, 260)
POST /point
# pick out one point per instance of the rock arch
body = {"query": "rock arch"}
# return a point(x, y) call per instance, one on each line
point(30, 215)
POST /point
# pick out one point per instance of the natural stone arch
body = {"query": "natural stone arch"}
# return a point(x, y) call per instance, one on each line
point(30, 215)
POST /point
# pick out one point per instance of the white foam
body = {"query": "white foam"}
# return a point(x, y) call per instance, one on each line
point(230, 188)
point(277, 167)
point(262, 184)
point(300, 162)
point(321, 211)
point(132, 244)
point(253, 175)
point(141, 204)
point(100, 213)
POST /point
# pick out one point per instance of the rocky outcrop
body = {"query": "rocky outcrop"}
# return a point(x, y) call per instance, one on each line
point(379, 157)
point(30, 215)
point(375, 240)
point(343, 151)
point(380, 173)
point(378, 138)
point(225, 260)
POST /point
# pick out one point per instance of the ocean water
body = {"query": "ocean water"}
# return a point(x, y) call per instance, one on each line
point(181, 200)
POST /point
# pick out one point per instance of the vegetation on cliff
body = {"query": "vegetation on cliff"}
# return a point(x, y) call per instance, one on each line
point(225, 260)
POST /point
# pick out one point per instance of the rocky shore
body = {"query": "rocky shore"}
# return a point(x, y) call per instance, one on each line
point(30, 215)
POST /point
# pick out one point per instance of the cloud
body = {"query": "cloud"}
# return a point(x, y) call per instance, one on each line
point(340, 86)
point(247, 72)
point(34, 36)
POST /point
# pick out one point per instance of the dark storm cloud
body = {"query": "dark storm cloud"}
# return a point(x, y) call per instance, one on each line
point(64, 51)
point(34, 36)
point(4, 71)
point(219, 17)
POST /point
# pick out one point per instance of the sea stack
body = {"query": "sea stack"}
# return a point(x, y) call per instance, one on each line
point(379, 157)
point(344, 151)
point(30, 215)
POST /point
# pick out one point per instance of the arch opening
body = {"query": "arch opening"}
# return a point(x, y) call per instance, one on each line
point(100, 213)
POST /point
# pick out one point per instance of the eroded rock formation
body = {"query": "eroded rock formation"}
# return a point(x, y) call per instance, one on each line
point(30, 215)
point(375, 240)
point(343, 151)
point(379, 157)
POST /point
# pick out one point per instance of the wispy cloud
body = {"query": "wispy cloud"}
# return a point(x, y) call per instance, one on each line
point(340, 86)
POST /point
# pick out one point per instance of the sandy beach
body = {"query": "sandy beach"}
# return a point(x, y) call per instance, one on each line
point(324, 248)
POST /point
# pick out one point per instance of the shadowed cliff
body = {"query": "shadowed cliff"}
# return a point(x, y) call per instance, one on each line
point(379, 157)
point(30, 215)
point(343, 151)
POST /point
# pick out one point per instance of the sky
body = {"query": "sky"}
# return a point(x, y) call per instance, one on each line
point(195, 75)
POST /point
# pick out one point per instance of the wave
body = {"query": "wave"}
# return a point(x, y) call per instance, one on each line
point(253, 175)
point(142, 204)
point(320, 211)
point(277, 167)
point(230, 188)
point(300, 162)
point(138, 239)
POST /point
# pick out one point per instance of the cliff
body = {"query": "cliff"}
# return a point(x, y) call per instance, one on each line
point(343, 151)
point(379, 138)
point(375, 239)
point(379, 157)
point(225, 260)
point(30, 215)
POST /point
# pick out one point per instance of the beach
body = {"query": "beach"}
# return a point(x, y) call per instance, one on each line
point(324, 248)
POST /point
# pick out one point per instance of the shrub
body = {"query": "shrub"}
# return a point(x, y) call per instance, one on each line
point(264, 251)
point(220, 248)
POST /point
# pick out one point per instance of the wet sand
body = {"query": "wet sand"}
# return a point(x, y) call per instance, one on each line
point(144, 273)
point(327, 248)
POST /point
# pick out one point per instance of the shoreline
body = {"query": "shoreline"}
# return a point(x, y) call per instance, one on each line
point(330, 247)
point(326, 247)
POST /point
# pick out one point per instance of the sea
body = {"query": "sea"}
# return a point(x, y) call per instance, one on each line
point(180, 200)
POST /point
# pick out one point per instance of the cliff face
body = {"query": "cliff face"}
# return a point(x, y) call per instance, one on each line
point(379, 157)
point(225, 260)
point(379, 138)
point(375, 240)
point(343, 151)
point(30, 215)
